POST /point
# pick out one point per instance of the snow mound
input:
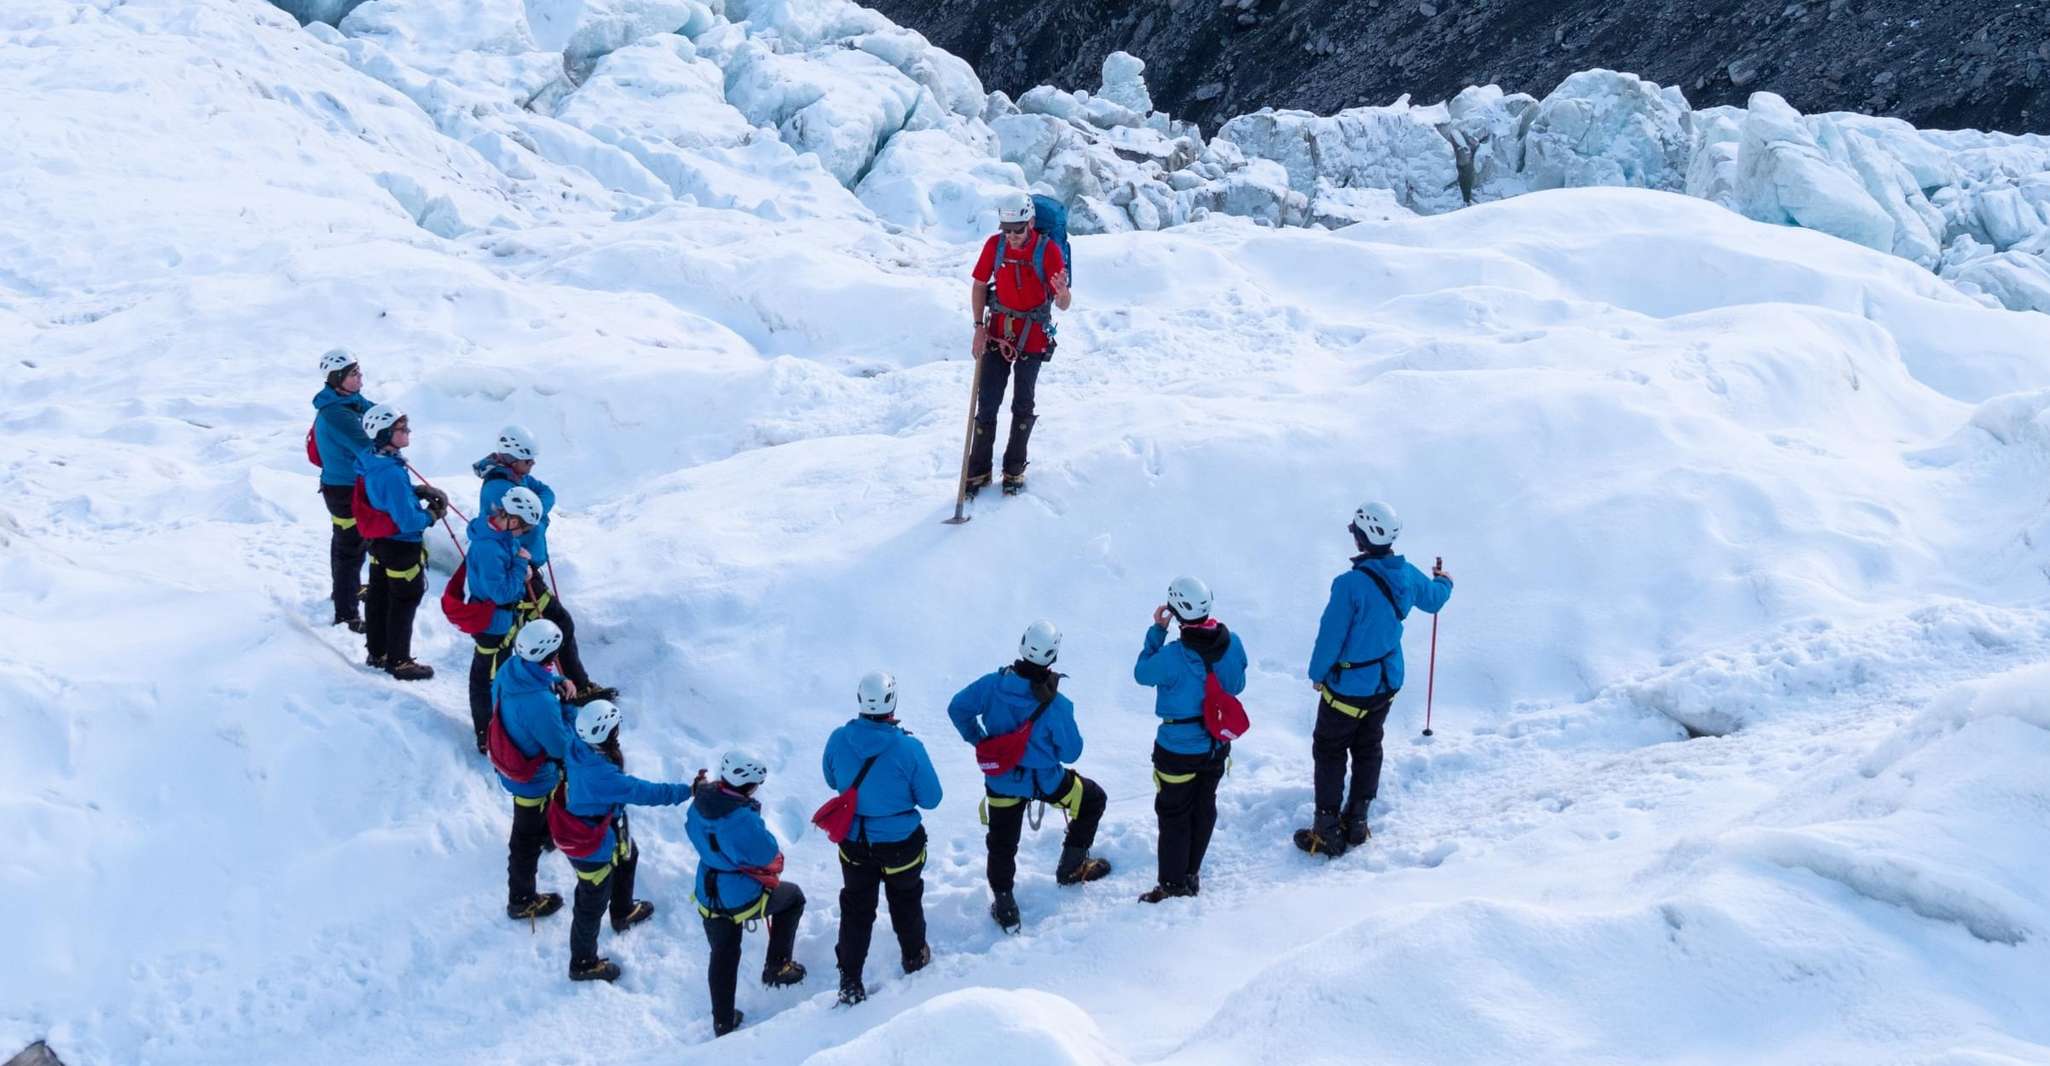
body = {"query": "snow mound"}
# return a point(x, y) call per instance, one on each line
point(981, 1025)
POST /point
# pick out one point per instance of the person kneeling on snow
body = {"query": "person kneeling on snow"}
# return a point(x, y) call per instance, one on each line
point(598, 842)
point(496, 570)
point(885, 848)
point(528, 738)
point(1356, 668)
point(338, 438)
point(740, 868)
point(1024, 699)
point(398, 556)
point(510, 467)
point(1188, 763)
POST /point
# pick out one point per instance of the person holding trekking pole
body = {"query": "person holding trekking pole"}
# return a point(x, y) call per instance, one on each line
point(1356, 668)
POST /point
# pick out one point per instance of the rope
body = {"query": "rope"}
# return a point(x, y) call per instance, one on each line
point(460, 553)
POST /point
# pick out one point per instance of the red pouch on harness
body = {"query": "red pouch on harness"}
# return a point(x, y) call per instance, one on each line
point(506, 756)
point(836, 815)
point(312, 448)
point(470, 616)
point(1001, 754)
point(574, 836)
point(371, 523)
point(1223, 715)
point(767, 876)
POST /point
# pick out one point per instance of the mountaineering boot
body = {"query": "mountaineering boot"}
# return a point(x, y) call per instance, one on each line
point(354, 623)
point(1005, 910)
point(781, 974)
point(979, 448)
point(483, 745)
point(1161, 892)
point(643, 910)
point(540, 906)
point(1195, 885)
point(1077, 866)
point(851, 991)
point(976, 483)
point(594, 970)
point(1325, 837)
point(1355, 825)
point(915, 963)
point(1014, 484)
point(1015, 453)
point(410, 670)
point(720, 1028)
point(375, 662)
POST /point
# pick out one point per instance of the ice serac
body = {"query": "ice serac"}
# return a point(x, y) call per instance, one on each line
point(1397, 147)
point(1784, 177)
point(1600, 127)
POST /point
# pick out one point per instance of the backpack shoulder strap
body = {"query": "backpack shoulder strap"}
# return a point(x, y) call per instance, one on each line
point(865, 767)
point(1039, 258)
point(1382, 582)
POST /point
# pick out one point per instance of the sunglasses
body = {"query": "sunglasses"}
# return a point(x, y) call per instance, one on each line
point(1016, 227)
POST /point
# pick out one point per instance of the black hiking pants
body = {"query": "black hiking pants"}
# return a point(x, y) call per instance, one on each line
point(601, 886)
point(345, 550)
point(1185, 801)
point(524, 847)
point(398, 580)
point(1337, 737)
point(898, 870)
point(484, 666)
point(785, 909)
point(1007, 824)
point(989, 399)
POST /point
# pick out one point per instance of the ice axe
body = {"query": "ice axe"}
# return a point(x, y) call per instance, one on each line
point(968, 440)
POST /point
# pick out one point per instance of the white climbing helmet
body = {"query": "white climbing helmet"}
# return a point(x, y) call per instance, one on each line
point(596, 720)
point(877, 695)
point(1189, 599)
point(380, 418)
point(538, 640)
point(521, 503)
point(1375, 522)
point(1041, 643)
point(1013, 208)
point(337, 359)
point(738, 768)
point(515, 441)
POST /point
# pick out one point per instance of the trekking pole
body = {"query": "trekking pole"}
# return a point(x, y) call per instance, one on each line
point(1431, 676)
point(967, 445)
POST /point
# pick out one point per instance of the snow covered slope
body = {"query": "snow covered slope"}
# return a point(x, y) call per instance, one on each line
point(1693, 473)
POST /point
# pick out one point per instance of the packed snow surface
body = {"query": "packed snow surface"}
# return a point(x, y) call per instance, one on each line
point(1697, 475)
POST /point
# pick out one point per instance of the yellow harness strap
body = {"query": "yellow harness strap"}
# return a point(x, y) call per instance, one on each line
point(997, 801)
point(1072, 802)
point(531, 801)
point(761, 904)
point(1161, 780)
point(891, 871)
point(342, 523)
point(619, 849)
point(1342, 707)
point(407, 574)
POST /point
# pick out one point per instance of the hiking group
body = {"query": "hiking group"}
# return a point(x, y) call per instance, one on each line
point(552, 735)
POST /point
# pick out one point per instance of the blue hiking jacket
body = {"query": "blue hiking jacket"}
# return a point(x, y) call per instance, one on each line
point(534, 718)
point(598, 788)
point(496, 573)
point(1360, 626)
point(390, 489)
point(338, 434)
point(999, 702)
point(727, 829)
point(901, 781)
point(498, 480)
point(1176, 671)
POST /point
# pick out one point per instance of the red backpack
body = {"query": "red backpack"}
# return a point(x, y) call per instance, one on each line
point(836, 815)
point(506, 756)
point(371, 523)
point(1000, 754)
point(470, 616)
point(1223, 715)
point(312, 448)
point(573, 836)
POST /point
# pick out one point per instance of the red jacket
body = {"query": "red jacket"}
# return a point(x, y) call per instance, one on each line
point(1017, 286)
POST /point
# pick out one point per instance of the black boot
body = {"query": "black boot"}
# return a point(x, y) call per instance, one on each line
point(1077, 866)
point(540, 906)
point(781, 974)
point(594, 970)
point(1325, 837)
point(643, 910)
point(980, 447)
point(720, 1028)
point(851, 991)
point(410, 670)
point(1195, 885)
point(1161, 892)
point(915, 963)
point(1005, 910)
point(1355, 825)
point(1014, 454)
point(1014, 484)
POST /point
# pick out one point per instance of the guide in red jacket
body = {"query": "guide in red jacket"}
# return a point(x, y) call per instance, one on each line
point(1028, 274)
